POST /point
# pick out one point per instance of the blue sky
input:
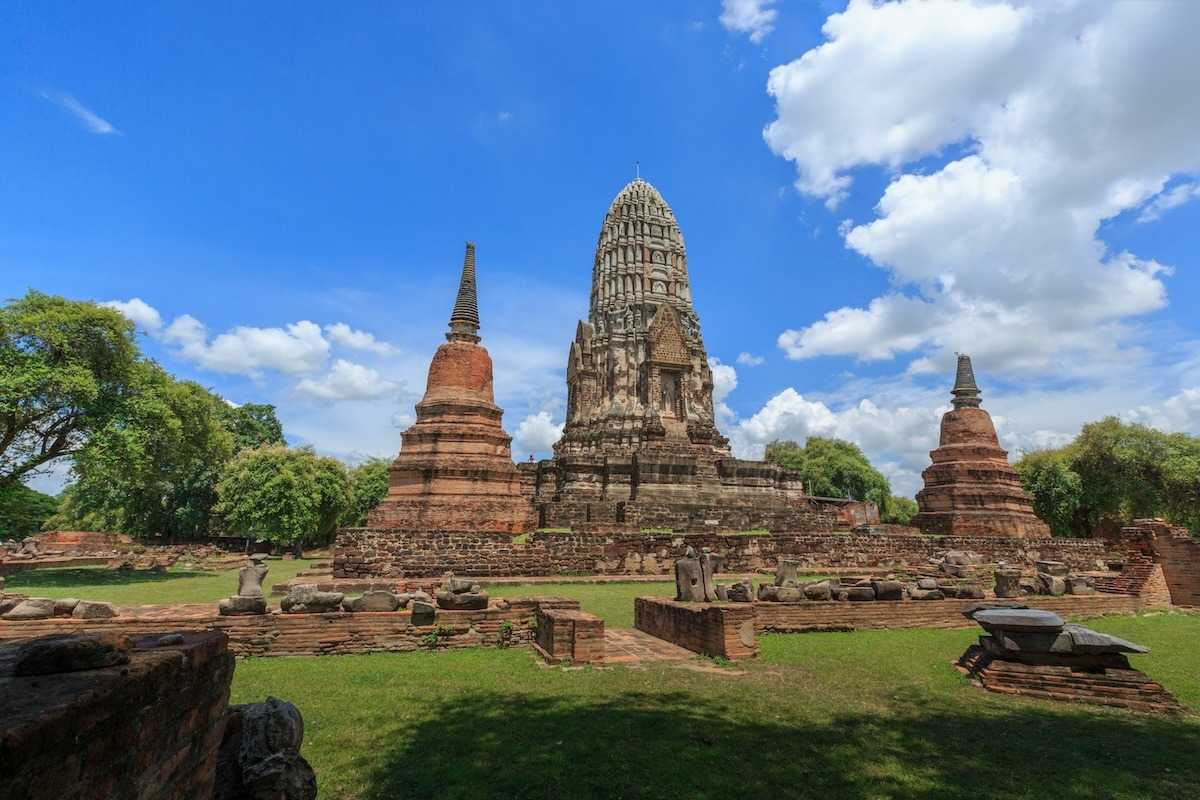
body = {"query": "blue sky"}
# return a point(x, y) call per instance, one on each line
point(286, 189)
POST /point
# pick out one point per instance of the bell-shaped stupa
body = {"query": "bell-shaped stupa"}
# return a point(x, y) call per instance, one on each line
point(970, 489)
point(455, 470)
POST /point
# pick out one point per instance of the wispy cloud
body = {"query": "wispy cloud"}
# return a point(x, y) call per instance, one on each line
point(90, 120)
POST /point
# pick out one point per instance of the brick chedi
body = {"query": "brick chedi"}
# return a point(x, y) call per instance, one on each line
point(455, 470)
point(640, 447)
point(970, 489)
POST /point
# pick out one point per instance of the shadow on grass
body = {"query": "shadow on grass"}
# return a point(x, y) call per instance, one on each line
point(91, 578)
point(678, 745)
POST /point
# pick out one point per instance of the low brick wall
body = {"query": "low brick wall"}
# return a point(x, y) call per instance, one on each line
point(148, 729)
point(337, 633)
point(880, 614)
point(571, 637)
point(724, 630)
point(373, 553)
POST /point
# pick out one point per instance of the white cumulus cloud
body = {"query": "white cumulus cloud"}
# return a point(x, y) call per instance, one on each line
point(754, 18)
point(1044, 114)
point(536, 434)
point(346, 381)
point(750, 360)
point(141, 313)
point(343, 334)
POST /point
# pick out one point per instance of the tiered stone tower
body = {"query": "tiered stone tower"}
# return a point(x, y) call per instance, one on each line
point(640, 448)
point(970, 489)
point(455, 470)
point(637, 373)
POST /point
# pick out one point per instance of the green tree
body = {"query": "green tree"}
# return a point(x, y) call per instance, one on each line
point(65, 368)
point(368, 485)
point(289, 496)
point(1181, 480)
point(23, 510)
point(833, 468)
point(1057, 491)
point(900, 510)
point(252, 425)
point(152, 470)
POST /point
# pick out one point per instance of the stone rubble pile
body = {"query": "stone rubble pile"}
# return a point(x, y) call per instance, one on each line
point(18, 607)
point(458, 594)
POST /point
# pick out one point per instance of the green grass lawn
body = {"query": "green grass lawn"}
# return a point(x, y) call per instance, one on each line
point(176, 585)
point(874, 714)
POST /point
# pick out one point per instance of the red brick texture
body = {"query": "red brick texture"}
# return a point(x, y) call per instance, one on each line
point(374, 553)
point(570, 637)
point(970, 488)
point(725, 630)
point(149, 729)
point(1161, 560)
point(336, 633)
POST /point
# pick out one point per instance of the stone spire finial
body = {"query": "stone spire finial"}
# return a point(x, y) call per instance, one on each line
point(464, 319)
point(966, 393)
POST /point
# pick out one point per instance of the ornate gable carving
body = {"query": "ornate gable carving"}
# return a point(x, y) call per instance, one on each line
point(667, 344)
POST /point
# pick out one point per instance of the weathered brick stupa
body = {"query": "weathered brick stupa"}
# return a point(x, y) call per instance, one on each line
point(640, 447)
point(455, 470)
point(970, 489)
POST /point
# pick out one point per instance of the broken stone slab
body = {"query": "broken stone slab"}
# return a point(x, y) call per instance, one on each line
point(768, 593)
point(469, 601)
point(238, 606)
point(928, 584)
point(789, 594)
point(420, 596)
point(1086, 640)
point(63, 607)
point(458, 585)
point(1080, 584)
point(308, 599)
point(888, 590)
point(740, 592)
point(1019, 620)
point(818, 591)
point(32, 608)
point(423, 613)
point(1053, 585)
point(962, 558)
point(373, 600)
point(858, 594)
point(926, 594)
point(1056, 568)
point(787, 573)
point(89, 609)
point(50, 655)
point(1008, 582)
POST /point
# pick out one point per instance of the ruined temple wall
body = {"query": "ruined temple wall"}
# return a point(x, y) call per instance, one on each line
point(148, 729)
point(373, 553)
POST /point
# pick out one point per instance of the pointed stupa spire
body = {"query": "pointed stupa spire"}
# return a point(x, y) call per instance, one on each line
point(966, 393)
point(464, 319)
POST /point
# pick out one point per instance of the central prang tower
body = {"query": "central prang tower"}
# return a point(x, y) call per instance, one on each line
point(640, 448)
point(637, 373)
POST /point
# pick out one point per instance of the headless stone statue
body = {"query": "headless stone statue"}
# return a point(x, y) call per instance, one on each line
point(787, 573)
point(710, 563)
point(689, 578)
point(251, 576)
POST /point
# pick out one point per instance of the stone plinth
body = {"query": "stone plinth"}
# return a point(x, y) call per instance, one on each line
point(146, 729)
point(723, 630)
point(455, 470)
point(569, 636)
point(971, 489)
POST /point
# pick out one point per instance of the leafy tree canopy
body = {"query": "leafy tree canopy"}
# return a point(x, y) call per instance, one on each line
point(368, 485)
point(1113, 473)
point(252, 425)
point(833, 468)
point(23, 510)
point(900, 510)
point(152, 470)
point(65, 371)
point(282, 494)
